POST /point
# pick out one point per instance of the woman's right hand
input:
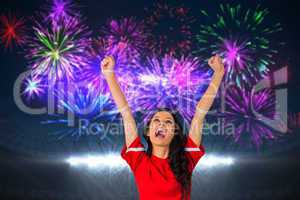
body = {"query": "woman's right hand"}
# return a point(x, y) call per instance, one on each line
point(107, 66)
point(130, 130)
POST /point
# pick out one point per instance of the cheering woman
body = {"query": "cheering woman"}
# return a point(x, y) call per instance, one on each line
point(163, 170)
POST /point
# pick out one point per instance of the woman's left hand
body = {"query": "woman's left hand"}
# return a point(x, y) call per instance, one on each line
point(215, 62)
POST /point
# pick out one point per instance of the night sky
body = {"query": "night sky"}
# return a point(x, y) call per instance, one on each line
point(33, 170)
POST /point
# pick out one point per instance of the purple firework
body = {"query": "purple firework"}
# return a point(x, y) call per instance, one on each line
point(58, 53)
point(241, 111)
point(60, 10)
point(92, 73)
point(124, 40)
point(128, 34)
point(236, 56)
point(168, 82)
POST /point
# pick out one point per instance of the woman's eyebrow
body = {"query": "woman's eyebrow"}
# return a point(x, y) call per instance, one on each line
point(156, 117)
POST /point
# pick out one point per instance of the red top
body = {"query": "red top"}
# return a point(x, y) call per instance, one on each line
point(153, 175)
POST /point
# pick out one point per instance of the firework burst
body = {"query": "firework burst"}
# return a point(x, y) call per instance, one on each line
point(128, 35)
point(60, 10)
point(87, 112)
point(93, 75)
point(241, 111)
point(12, 30)
point(169, 82)
point(124, 40)
point(57, 53)
point(243, 38)
point(171, 29)
point(34, 87)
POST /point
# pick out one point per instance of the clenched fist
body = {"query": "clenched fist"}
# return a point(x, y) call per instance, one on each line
point(215, 62)
point(107, 66)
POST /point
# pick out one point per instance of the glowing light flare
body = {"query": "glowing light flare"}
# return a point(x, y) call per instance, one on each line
point(216, 161)
point(33, 87)
point(113, 160)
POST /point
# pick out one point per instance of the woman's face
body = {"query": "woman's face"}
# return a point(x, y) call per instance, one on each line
point(162, 128)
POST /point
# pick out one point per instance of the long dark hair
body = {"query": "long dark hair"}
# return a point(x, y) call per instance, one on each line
point(176, 158)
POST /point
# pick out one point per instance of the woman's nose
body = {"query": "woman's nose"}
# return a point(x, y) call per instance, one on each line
point(162, 123)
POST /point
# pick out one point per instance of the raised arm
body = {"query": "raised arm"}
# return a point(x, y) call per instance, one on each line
point(206, 101)
point(107, 67)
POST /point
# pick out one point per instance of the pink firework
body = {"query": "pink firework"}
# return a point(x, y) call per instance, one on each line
point(123, 39)
point(60, 10)
point(168, 82)
point(128, 34)
point(245, 112)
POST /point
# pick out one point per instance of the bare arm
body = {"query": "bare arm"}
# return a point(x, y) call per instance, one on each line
point(206, 101)
point(130, 129)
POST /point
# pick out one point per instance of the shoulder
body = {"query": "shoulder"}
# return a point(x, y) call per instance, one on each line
point(193, 152)
point(134, 153)
point(191, 146)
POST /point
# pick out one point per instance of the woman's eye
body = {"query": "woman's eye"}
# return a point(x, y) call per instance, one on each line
point(156, 120)
point(169, 122)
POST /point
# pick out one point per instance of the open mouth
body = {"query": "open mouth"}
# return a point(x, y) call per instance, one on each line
point(160, 133)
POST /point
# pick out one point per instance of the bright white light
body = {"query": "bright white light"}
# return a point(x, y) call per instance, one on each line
point(152, 79)
point(115, 161)
point(96, 161)
point(216, 161)
point(149, 79)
